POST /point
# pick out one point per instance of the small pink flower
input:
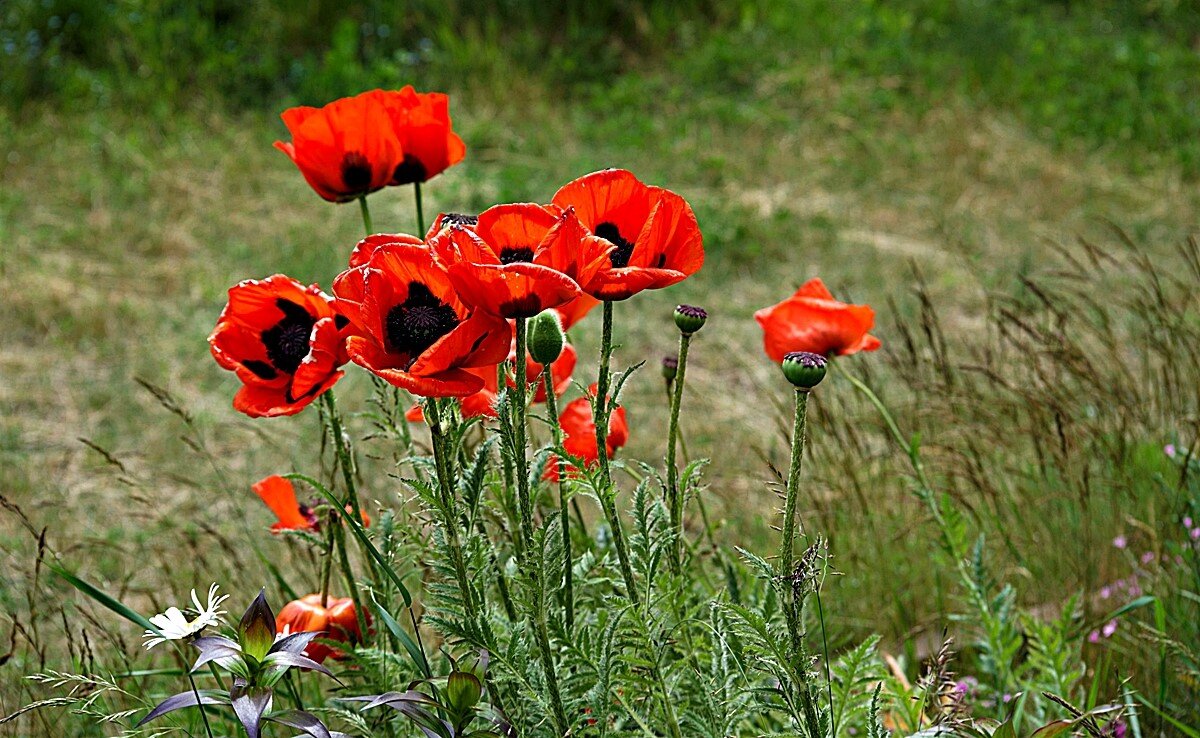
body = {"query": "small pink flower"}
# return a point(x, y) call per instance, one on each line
point(1194, 533)
point(1187, 521)
point(1120, 542)
point(1135, 590)
point(1094, 636)
point(1109, 628)
point(1169, 450)
point(1105, 593)
point(1147, 558)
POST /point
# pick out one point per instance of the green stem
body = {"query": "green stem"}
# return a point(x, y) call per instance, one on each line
point(345, 457)
point(788, 540)
point(199, 704)
point(366, 214)
point(825, 647)
point(420, 211)
point(568, 597)
point(600, 412)
point(518, 421)
point(449, 519)
point(674, 497)
point(533, 556)
point(327, 565)
point(360, 612)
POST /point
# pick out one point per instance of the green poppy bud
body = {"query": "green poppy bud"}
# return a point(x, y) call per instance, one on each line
point(670, 367)
point(803, 369)
point(546, 337)
point(690, 319)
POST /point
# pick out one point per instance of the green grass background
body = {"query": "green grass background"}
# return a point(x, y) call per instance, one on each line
point(965, 139)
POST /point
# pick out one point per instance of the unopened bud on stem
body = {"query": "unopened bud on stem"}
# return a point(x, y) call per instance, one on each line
point(803, 369)
point(690, 319)
point(546, 337)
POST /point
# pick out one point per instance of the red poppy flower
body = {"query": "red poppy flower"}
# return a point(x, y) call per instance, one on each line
point(812, 320)
point(285, 342)
point(443, 221)
point(410, 327)
point(656, 240)
point(579, 433)
point(336, 621)
point(346, 149)
point(279, 495)
point(421, 121)
point(521, 259)
point(483, 402)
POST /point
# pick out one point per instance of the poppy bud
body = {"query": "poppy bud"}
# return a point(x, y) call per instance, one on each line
point(546, 337)
point(690, 319)
point(803, 369)
point(670, 367)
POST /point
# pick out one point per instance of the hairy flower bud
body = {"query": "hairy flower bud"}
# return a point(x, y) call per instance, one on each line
point(670, 367)
point(546, 337)
point(803, 369)
point(690, 319)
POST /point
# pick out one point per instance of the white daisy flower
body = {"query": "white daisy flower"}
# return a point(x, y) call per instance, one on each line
point(174, 625)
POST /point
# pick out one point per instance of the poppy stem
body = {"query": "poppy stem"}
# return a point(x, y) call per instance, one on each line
point(788, 542)
point(420, 211)
point(366, 214)
point(519, 441)
point(600, 413)
point(532, 555)
point(449, 519)
point(195, 693)
point(674, 497)
point(327, 565)
point(568, 598)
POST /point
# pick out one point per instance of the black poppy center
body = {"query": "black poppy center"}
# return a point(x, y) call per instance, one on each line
point(624, 249)
point(286, 342)
point(513, 255)
point(409, 171)
point(356, 172)
point(417, 323)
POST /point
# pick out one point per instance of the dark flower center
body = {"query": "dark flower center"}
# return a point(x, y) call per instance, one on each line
point(512, 255)
point(624, 249)
point(417, 323)
point(410, 170)
point(356, 172)
point(287, 342)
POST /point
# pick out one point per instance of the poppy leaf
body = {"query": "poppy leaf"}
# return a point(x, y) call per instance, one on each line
point(182, 700)
point(301, 720)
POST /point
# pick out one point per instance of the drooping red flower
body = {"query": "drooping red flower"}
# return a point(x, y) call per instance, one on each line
point(812, 320)
point(483, 402)
point(284, 341)
point(336, 621)
point(346, 149)
point(421, 122)
point(579, 433)
point(656, 240)
point(521, 259)
point(410, 327)
point(279, 495)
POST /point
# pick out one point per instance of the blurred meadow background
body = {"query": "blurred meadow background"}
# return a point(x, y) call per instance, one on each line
point(1011, 184)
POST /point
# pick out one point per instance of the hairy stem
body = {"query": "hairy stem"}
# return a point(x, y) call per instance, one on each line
point(568, 597)
point(600, 413)
point(788, 540)
point(674, 497)
point(446, 493)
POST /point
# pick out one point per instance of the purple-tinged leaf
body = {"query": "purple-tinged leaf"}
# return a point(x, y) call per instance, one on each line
point(286, 659)
point(295, 643)
point(215, 648)
point(249, 704)
point(182, 700)
point(301, 720)
point(388, 698)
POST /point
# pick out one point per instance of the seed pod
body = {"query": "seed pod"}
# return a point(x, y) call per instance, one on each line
point(803, 369)
point(690, 318)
